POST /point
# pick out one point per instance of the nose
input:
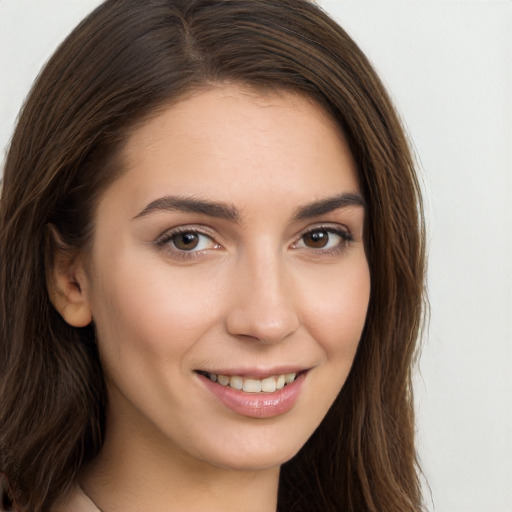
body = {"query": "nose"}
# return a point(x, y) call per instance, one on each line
point(264, 305)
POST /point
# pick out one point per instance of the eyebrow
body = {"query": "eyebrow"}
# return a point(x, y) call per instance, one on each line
point(190, 204)
point(231, 213)
point(329, 205)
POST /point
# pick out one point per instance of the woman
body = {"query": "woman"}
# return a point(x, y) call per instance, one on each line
point(211, 269)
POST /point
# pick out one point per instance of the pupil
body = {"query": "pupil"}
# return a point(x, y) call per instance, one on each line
point(186, 241)
point(317, 239)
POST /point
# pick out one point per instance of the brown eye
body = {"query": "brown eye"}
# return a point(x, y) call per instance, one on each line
point(324, 239)
point(316, 239)
point(186, 241)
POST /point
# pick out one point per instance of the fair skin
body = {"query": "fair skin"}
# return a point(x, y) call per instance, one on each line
point(232, 246)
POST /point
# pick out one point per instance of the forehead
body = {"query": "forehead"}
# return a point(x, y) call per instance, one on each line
point(232, 143)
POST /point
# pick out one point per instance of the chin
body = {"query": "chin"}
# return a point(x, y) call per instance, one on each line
point(262, 452)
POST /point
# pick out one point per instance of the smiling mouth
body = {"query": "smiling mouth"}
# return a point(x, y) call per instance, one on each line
point(251, 385)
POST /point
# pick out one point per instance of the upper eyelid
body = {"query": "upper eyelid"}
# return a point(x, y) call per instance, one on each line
point(168, 233)
point(344, 233)
point(327, 226)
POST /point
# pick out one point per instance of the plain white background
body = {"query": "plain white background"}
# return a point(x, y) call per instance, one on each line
point(448, 65)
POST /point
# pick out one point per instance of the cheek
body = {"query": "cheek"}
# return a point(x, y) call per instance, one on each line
point(335, 315)
point(336, 311)
point(154, 311)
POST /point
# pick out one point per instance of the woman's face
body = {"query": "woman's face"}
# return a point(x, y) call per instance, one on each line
point(229, 254)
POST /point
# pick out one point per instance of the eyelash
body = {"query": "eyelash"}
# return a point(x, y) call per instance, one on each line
point(344, 234)
point(165, 240)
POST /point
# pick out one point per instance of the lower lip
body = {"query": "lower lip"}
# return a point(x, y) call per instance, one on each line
point(257, 405)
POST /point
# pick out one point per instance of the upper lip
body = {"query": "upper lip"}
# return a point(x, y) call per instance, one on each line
point(257, 373)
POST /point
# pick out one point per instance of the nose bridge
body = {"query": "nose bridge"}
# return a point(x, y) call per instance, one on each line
point(264, 306)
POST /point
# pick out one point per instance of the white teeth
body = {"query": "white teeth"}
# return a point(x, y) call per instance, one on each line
point(236, 382)
point(221, 379)
point(289, 377)
point(267, 385)
point(252, 386)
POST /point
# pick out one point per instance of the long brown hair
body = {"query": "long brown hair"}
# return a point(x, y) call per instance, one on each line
point(119, 66)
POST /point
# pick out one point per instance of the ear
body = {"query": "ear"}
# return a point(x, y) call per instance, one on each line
point(66, 281)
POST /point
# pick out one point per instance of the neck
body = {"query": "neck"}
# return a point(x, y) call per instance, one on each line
point(140, 471)
point(136, 491)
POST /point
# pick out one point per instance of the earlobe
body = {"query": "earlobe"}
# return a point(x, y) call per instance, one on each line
point(66, 281)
